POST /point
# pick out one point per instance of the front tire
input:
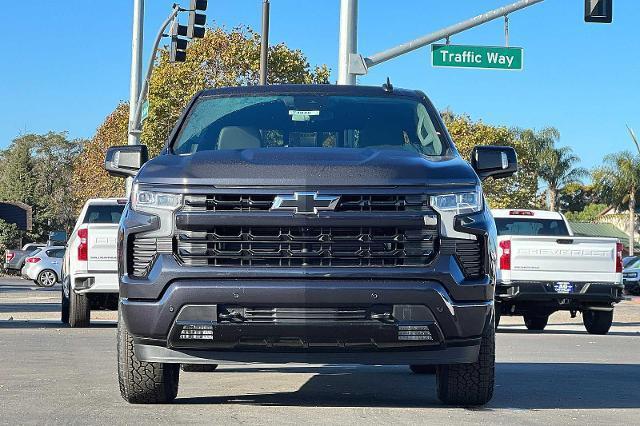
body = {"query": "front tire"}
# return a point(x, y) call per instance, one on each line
point(79, 310)
point(536, 322)
point(144, 382)
point(470, 384)
point(597, 322)
point(47, 278)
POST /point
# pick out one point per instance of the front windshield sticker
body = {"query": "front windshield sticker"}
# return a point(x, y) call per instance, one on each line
point(302, 115)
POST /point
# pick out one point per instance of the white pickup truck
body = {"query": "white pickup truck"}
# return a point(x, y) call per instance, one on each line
point(90, 266)
point(543, 268)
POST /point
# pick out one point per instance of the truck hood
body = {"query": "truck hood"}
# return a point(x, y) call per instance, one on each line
point(307, 167)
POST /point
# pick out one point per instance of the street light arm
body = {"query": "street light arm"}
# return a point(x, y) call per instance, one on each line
point(135, 124)
point(447, 32)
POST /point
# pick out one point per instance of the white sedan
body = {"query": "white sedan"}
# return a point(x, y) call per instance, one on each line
point(44, 266)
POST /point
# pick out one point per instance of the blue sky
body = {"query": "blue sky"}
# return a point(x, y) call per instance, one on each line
point(66, 64)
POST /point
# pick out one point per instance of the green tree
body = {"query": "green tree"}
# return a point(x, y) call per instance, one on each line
point(9, 236)
point(221, 58)
point(517, 191)
point(37, 170)
point(557, 169)
point(575, 197)
point(589, 213)
point(618, 183)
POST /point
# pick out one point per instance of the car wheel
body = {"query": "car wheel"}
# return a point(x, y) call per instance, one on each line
point(79, 310)
point(470, 384)
point(198, 368)
point(536, 322)
point(144, 382)
point(423, 369)
point(597, 322)
point(64, 302)
point(47, 278)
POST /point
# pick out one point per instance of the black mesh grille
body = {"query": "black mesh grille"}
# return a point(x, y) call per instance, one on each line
point(290, 315)
point(307, 246)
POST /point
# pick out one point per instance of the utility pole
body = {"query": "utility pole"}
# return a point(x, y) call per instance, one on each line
point(348, 40)
point(264, 45)
point(136, 73)
point(136, 66)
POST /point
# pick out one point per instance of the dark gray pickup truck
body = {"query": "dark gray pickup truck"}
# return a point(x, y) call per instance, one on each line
point(315, 224)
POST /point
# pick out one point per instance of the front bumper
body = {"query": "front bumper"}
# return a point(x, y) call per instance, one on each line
point(454, 329)
point(544, 292)
point(632, 286)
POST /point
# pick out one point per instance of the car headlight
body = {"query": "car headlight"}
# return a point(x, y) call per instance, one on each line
point(458, 203)
point(144, 200)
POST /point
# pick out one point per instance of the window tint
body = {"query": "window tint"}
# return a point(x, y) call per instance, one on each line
point(540, 227)
point(311, 121)
point(56, 253)
point(103, 213)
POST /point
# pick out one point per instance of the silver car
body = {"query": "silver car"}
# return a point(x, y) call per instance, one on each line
point(631, 277)
point(44, 265)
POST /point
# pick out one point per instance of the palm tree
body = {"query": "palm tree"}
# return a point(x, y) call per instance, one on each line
point(557, 169)
point(618, 182)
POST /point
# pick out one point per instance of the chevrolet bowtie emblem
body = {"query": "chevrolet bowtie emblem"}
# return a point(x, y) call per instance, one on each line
point(305, 202)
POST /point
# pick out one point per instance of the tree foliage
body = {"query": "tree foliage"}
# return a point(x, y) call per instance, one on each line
point(37, 170)
point(558, 169)
point(617, 178)
point(517, 191)
point(90, 178)
point(9, 236)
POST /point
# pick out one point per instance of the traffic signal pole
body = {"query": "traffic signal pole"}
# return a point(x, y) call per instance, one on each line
point(351, 64)
point(136, 65)
point(264, 43)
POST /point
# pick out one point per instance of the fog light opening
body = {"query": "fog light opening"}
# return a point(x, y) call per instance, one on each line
point(414, 332)
point(196, 332)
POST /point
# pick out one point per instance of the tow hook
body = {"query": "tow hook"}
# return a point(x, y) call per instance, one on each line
point(573, 313)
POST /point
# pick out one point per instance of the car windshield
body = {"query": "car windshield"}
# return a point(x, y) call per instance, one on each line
point(634, 264)
point(103, 213)
point(540, 227)
point(252, 122)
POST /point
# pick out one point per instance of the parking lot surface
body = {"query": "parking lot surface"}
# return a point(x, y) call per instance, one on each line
point(53, 374)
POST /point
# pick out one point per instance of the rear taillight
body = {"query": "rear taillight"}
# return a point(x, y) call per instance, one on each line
point(83, 248)
point(505, 257)
point(32, 260)
point(8, 256)
point(619, 250)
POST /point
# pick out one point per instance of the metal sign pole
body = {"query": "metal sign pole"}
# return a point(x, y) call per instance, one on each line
point(348, 40)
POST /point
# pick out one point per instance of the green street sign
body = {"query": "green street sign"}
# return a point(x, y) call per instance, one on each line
point(145, 110)
point(486, 57)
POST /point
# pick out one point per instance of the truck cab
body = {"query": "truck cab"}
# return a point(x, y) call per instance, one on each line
point(310, 223)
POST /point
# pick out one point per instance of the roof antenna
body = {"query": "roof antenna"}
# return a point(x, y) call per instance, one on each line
point(388, 87)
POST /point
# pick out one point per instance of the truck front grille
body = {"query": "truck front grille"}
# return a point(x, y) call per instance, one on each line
point(290, 315)
point(245, 203)
point(306, 246)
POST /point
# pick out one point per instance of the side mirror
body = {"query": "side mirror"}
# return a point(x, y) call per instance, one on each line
point(494, 161)
point(125, 161)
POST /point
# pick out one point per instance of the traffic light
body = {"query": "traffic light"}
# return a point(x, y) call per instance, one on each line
point(195, 29)
point(178, 48)
point(598, 11)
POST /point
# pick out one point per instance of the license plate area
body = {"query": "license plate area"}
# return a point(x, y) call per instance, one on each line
point(564, 287)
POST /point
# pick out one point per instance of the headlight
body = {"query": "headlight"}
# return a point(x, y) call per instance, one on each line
point(459, 203)
point(142, 200)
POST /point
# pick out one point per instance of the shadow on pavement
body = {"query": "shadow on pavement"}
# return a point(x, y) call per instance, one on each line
point(6, 324)
point(518, 386)
point(504, 330)
point(29, 307)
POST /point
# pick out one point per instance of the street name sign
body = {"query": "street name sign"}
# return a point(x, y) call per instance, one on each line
point(486, 57)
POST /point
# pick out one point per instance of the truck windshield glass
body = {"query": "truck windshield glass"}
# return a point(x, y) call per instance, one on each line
point(539, 227)
point(252, 122)
point(103, 213)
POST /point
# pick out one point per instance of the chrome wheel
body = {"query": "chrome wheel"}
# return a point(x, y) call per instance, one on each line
point(47, 278)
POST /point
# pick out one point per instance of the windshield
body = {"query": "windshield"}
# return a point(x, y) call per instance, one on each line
point(105, 213)
point(251, 122)
point(634, 264)
point(540, 227)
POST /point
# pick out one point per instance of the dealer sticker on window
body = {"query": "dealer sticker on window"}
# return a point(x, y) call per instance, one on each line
point(302, 115)
point(563, 287)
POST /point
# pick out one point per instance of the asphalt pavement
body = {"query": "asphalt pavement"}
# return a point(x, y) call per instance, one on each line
point(50, 373)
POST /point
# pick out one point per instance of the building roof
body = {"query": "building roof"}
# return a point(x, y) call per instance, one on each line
point(587, 229)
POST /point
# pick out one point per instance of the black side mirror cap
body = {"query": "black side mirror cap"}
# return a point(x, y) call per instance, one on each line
point(494, 161)
point(125, 161)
